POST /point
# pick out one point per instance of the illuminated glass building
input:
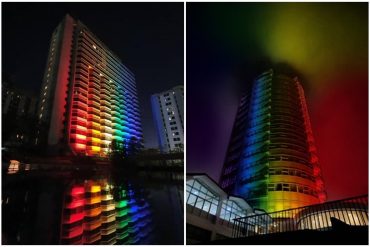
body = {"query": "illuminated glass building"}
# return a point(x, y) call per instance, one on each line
point(88, 97)
point(168, 112)
point(271, 160)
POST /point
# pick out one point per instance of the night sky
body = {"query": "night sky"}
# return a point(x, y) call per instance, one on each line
point(325, 43)
point(148, 37)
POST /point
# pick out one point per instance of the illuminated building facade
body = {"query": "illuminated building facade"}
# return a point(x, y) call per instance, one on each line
point(168, 112)
point(271, 160)
point(210, 211)
point(88, 97)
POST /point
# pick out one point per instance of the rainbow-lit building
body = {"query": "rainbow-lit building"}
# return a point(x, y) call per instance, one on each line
point(88, 97)
point(271, 159)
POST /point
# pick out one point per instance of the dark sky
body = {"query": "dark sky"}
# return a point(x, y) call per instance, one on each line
point(325, 43)
point(148, 37)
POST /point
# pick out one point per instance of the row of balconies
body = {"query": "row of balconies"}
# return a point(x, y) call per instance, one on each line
point(109, 67)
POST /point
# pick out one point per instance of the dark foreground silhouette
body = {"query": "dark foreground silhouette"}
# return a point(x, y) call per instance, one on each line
point(340, 233)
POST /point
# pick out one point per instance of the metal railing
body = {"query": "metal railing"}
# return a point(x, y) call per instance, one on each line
point(352, 211)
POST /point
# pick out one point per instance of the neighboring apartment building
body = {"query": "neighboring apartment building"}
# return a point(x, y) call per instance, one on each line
point(18, 102)
point(19, 110)
point(168, 113)
point(272, 160)
point(88, 97)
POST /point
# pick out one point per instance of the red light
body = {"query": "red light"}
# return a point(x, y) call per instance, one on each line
point(76, 204)
point(77, 190)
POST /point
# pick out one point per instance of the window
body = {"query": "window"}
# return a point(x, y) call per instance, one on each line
point(230, 210)
point(201, 197)
point(279, 187)
point(285, 187)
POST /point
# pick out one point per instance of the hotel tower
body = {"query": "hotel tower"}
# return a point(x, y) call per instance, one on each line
point(271, 159)
point(88, 97)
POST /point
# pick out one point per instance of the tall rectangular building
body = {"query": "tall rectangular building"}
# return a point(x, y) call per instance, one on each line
point(272, 160)
point(168, 112)
point(88, 97)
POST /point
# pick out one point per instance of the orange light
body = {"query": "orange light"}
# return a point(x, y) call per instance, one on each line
point(81, 127)
point(80, 146)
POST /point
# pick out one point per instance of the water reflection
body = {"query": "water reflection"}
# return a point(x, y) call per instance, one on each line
point(98, 212)
point(81, 208)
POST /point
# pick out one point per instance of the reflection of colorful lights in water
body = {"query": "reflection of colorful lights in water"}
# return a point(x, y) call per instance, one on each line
point(93, 214)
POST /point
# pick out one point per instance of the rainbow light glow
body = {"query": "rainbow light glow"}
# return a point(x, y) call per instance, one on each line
point(104, 105)
point(91, 215)
point(278, 166)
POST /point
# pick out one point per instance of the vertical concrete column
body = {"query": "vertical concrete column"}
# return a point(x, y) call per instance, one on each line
point(218, 212)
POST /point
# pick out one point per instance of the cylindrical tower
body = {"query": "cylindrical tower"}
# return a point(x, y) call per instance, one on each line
point(272, 160)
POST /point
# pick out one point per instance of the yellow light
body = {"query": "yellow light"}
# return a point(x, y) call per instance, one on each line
point(95, 188)
point(81, 137)
point(95, 148)
point(96, 131)
point(94, 139)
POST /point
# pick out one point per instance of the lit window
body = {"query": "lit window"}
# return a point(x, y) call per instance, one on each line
point(46, 87)
point(40, 115)
point(44, 93)
point(94, 46)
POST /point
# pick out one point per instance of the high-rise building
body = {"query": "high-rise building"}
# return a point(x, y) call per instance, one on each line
point(88, 97)
point(271, 159)
point(17, 102)
point(168, 112)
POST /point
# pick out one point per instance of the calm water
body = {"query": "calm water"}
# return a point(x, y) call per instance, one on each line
point(44, 207)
